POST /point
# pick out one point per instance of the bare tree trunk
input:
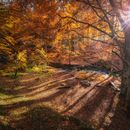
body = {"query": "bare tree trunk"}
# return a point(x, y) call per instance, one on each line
point(125, 90)
point(123, 82)
point(126, 69)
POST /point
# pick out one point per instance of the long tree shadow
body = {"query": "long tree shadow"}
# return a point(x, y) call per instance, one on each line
point(49, 88)
point(52, 85)
point(34, 101)
point(94, 106)
point(45, 84)
point(80, 99)
point(14, 86)
point(84, 95)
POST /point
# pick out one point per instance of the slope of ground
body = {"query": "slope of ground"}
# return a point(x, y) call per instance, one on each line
point(88, 96)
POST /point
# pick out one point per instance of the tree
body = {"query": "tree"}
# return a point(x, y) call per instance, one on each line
point(111, 13)
point(112, 19)
point(122, 10)
point(35, 27)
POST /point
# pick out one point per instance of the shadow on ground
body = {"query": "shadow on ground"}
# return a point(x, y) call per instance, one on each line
point(120, 120)
point(44, 118)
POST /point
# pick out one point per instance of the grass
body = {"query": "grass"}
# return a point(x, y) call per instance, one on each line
point(45, 70)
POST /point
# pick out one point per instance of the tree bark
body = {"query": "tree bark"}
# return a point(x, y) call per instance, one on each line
point(125, 90)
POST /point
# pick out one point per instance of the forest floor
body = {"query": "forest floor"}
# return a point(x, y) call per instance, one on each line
point(89, 96)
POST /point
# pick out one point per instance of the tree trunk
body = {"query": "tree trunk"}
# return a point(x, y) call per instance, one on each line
point(126, 69)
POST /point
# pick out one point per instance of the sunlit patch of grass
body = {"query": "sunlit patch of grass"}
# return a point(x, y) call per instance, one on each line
point(19, 87)
point(17, 99)
point(5, 96)
point(9, 98)
point(41, 69)
point(37, 68)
